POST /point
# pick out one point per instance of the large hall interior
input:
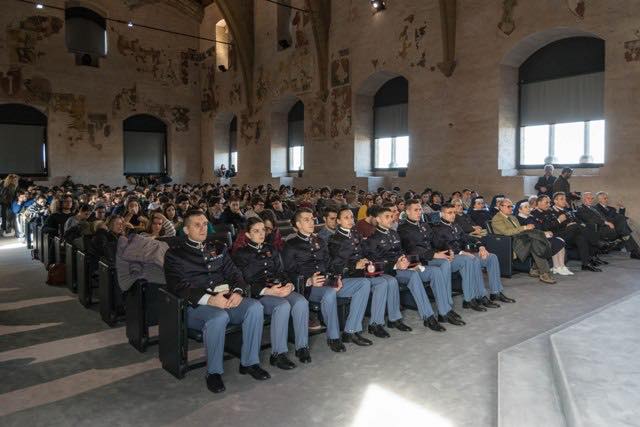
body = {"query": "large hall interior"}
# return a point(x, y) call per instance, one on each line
point(319, 213)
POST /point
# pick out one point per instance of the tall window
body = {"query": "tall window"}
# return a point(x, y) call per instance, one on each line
point(295, 138)
point(233, 144)
point(223, 60)
point(23, 140)
point(562, 104)
point(85, 35)
point(284, 25)
point(391, 129)
point(145, 145)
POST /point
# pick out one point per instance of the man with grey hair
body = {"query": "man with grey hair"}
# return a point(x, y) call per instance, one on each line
point(611, 225)
point(545, 182)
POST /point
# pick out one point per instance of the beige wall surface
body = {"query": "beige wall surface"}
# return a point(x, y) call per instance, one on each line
point(462, 127)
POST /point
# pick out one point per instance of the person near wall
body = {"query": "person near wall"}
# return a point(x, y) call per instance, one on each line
point(544, 185)
point(198, 270)
point(562, 185)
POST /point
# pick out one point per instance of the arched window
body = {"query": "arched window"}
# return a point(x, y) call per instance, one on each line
point(223, 49)
point(85, 35)
point(561, 104)
point(284, 38)
point(233, 144)
point(390, 125)
point(295, 137)
point(145, 145)
point(23, 140)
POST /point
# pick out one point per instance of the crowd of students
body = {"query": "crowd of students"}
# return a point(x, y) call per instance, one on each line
point(369, 246)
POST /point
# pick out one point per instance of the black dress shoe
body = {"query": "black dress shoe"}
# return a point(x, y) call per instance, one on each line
point(378, 331)
point(281, 361)
point(635, 255)
point(450, 318)
point(473, 305)
point(214, 383)
point(601, 261)
point(488, 303)
point(432, 323)
point(303, 355)
point(502, 298)
point(456, 315)
point(255, 371)
point(398, 325)
point(336, 345)
point(356, 338)
point(590, 267)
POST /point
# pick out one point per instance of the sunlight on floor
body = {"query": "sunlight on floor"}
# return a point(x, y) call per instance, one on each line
point(14, 245)
point(381, 407)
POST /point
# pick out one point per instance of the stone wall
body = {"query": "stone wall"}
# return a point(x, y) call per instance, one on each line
point(144, 71)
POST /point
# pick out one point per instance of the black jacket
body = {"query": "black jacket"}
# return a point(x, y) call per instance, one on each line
point(238, 221)
point(590, 215)
point(416, 239)
point(452, 236)
point(103, 246)
point(345, 250)
point(384, 246)
point(259, 264)
point(545, 181)
point(547, 220)
point(55, 222)
point(480, 217)
point(465, 222)
point(190, 270)
point(303, 256)
point(610, 212)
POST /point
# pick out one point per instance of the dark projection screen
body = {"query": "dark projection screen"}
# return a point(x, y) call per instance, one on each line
point(144, 153)
point(22, 148)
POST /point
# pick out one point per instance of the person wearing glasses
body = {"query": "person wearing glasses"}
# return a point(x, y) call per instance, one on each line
point(505, 223)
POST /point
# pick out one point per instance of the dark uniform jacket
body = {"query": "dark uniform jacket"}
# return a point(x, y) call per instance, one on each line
point(571, 217)
point(480, 217)
point(345, 250)
point(465, 222)
point(416, 239)
point(548, 220)
point(191, 268)
point(384, 246)
point(452, 236)
point(259, 264)
point(237, 220)
point(303, 256)
point(545, 181)
point(610, 212)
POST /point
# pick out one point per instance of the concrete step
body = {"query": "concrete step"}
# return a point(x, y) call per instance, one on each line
point(597, 368)
point(527, 395)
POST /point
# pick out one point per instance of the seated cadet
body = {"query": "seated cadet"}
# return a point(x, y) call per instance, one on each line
point(385, 246)
point(463, 246)
point(416, 240)
point(608, 229)
point(261, 267)
point(571, 231)
point(193, 269)
point(330, 216)
point(504, 222)
point(306, 256)
point(347, 257)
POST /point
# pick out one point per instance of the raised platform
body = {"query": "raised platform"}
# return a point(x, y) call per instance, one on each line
point(583, 373)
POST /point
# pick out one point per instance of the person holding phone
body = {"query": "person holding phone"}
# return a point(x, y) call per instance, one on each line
point(306, 258)
point(385, 246)
point(193, 269)
point(347, 257)
point(260, 265)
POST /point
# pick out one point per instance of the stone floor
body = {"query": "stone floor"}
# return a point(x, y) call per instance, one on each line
point(60, 365)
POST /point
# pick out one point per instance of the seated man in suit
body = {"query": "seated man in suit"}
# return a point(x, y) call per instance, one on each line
point(504, 222)
point(306, 256)
point(610, 225)
point(193, 270)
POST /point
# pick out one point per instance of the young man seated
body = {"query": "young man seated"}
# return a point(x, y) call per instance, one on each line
point(195, 269)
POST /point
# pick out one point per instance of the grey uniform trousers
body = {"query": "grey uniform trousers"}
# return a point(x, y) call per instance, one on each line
point(280, 309)
point(466, 265)
point(438, 274)
point(355, 288)
point(384, 291)
point(493, 271)
point(414, 282)
point(212, 321)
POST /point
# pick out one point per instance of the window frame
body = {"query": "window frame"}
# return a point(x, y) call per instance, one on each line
point(393, 154)
point(45, 142)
